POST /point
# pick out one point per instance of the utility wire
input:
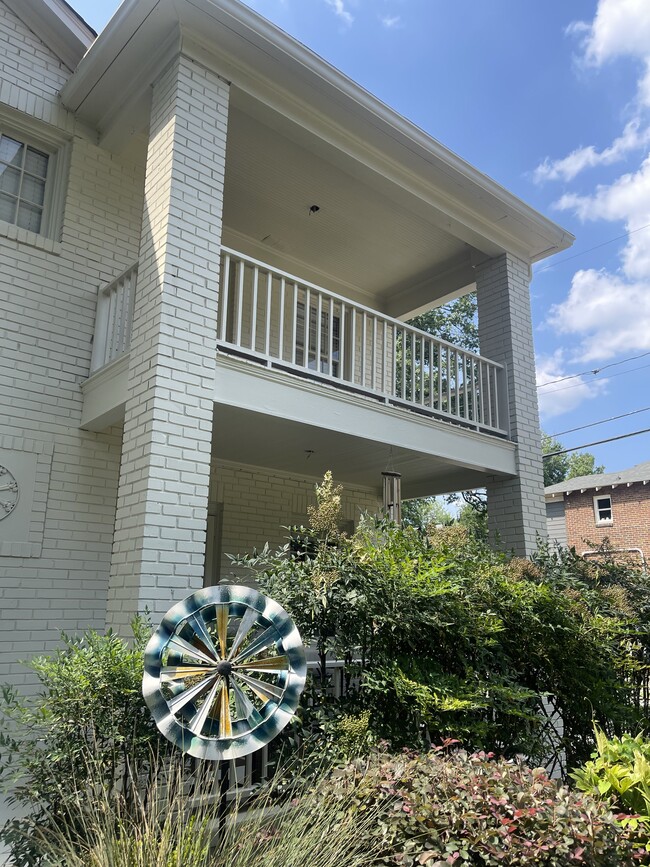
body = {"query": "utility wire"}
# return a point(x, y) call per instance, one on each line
point(597, 443)
point(602, 421)
point(591, 249)
point(607, 378)
point(595, 371)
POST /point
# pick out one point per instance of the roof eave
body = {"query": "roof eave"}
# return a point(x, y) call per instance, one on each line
point(528, 232)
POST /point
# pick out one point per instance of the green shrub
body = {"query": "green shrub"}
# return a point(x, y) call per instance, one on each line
point(619, 772)
point(89, 718)
point(461, 809)
point(444, 637)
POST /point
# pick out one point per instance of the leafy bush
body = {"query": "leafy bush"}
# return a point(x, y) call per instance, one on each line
point(442, 636)
point(442, 810)
point(619, 772)
point(89, 719)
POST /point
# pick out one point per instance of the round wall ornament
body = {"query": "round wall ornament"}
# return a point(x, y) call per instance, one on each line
point(223, 672)
point(9, 492)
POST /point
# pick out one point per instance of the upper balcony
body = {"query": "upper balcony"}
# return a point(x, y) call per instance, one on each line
point(283, 340)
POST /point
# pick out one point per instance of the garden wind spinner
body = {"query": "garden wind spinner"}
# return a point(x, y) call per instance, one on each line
point(223, 672)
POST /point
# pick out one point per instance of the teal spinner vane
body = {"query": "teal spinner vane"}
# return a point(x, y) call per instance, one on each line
point(223, 672)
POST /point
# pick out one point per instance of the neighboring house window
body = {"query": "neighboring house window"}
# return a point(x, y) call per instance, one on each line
point(23, 180)
point(323, 366)
point(603, 510)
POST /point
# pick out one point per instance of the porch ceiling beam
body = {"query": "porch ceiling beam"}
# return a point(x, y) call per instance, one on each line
point(431, 290)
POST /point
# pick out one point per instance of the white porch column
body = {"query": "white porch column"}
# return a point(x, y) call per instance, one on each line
point(515, 506)
point(160, 527)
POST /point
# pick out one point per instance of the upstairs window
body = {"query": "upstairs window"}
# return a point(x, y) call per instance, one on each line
point(603, 510)
point(24, 171)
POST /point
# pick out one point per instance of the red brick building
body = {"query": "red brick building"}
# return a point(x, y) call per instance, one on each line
point(585, 511)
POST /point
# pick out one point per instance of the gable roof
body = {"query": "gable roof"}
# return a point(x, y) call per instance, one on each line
point(58, 26)
point(637, 473)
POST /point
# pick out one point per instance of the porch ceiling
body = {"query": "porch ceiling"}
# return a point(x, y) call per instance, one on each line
point(360, 242)
point(246, 437)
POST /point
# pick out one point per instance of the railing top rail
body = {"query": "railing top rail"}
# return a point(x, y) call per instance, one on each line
point(107, 287)
point(350, 303)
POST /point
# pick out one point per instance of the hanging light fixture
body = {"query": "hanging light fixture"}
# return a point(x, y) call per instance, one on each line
point(393, 496)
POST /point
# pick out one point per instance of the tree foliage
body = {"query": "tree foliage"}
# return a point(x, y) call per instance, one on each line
point(559, 468)
point(455, 322)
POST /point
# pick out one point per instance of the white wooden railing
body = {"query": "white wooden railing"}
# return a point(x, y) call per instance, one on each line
point(270, 316)
point(113, 319)
point(274, 316)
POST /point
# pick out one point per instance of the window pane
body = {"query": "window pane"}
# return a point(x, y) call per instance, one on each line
point(7, 208)
point(29, 217)
point(33, 190)
point(9, 180)
point(604, 514)
point(36, 162)
point(11, 150)
point(604, 503)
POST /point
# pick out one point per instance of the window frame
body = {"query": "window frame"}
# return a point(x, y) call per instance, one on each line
point(322, 365)
point(603, 522)
point(57, 147)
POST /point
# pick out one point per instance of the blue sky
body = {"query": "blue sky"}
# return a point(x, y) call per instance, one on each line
point(553, 101)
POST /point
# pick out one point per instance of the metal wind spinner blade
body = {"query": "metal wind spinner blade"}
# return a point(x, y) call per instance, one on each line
point(223, 672)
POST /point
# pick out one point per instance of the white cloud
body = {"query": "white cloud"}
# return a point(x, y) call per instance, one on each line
point(606, 314)
point(632, 138)
point(564, 396)
point(391, 21)
point(621, 27)
point(339, 8)
point(628, 200)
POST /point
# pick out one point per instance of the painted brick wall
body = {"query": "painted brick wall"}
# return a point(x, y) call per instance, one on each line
point(47, 294)
point(159, 542)
point(258, 503)
point(631, 519)
point(516, 507)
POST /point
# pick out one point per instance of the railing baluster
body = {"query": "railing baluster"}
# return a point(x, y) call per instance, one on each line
point(342, 346)
point(403, 364)
point(457, 361)
point(422, 392)
point(473, 390)
point(465, 390)
point(330, 342)
point(489, 398)
point(353, 342)
point(481, 393)
point(413, 369)
point(256, 277)
point(223, 297)
point(305, 358)
point(281, 322)
point(294, 323)
point(269, 307)
point(319, 327)
point(373, 381)
point(239, 299)
point(384, 364)
point(393, 389)
point(364, 349)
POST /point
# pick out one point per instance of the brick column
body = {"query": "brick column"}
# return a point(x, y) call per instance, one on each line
point(515, 506)
point(160, 525)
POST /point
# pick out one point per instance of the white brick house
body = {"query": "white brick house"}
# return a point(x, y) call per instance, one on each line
point(209, 243)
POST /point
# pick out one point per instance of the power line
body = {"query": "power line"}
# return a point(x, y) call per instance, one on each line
point(602, 421)
point(591, 249)
point(597, 443)
point(607, 378)
point(595, 371)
